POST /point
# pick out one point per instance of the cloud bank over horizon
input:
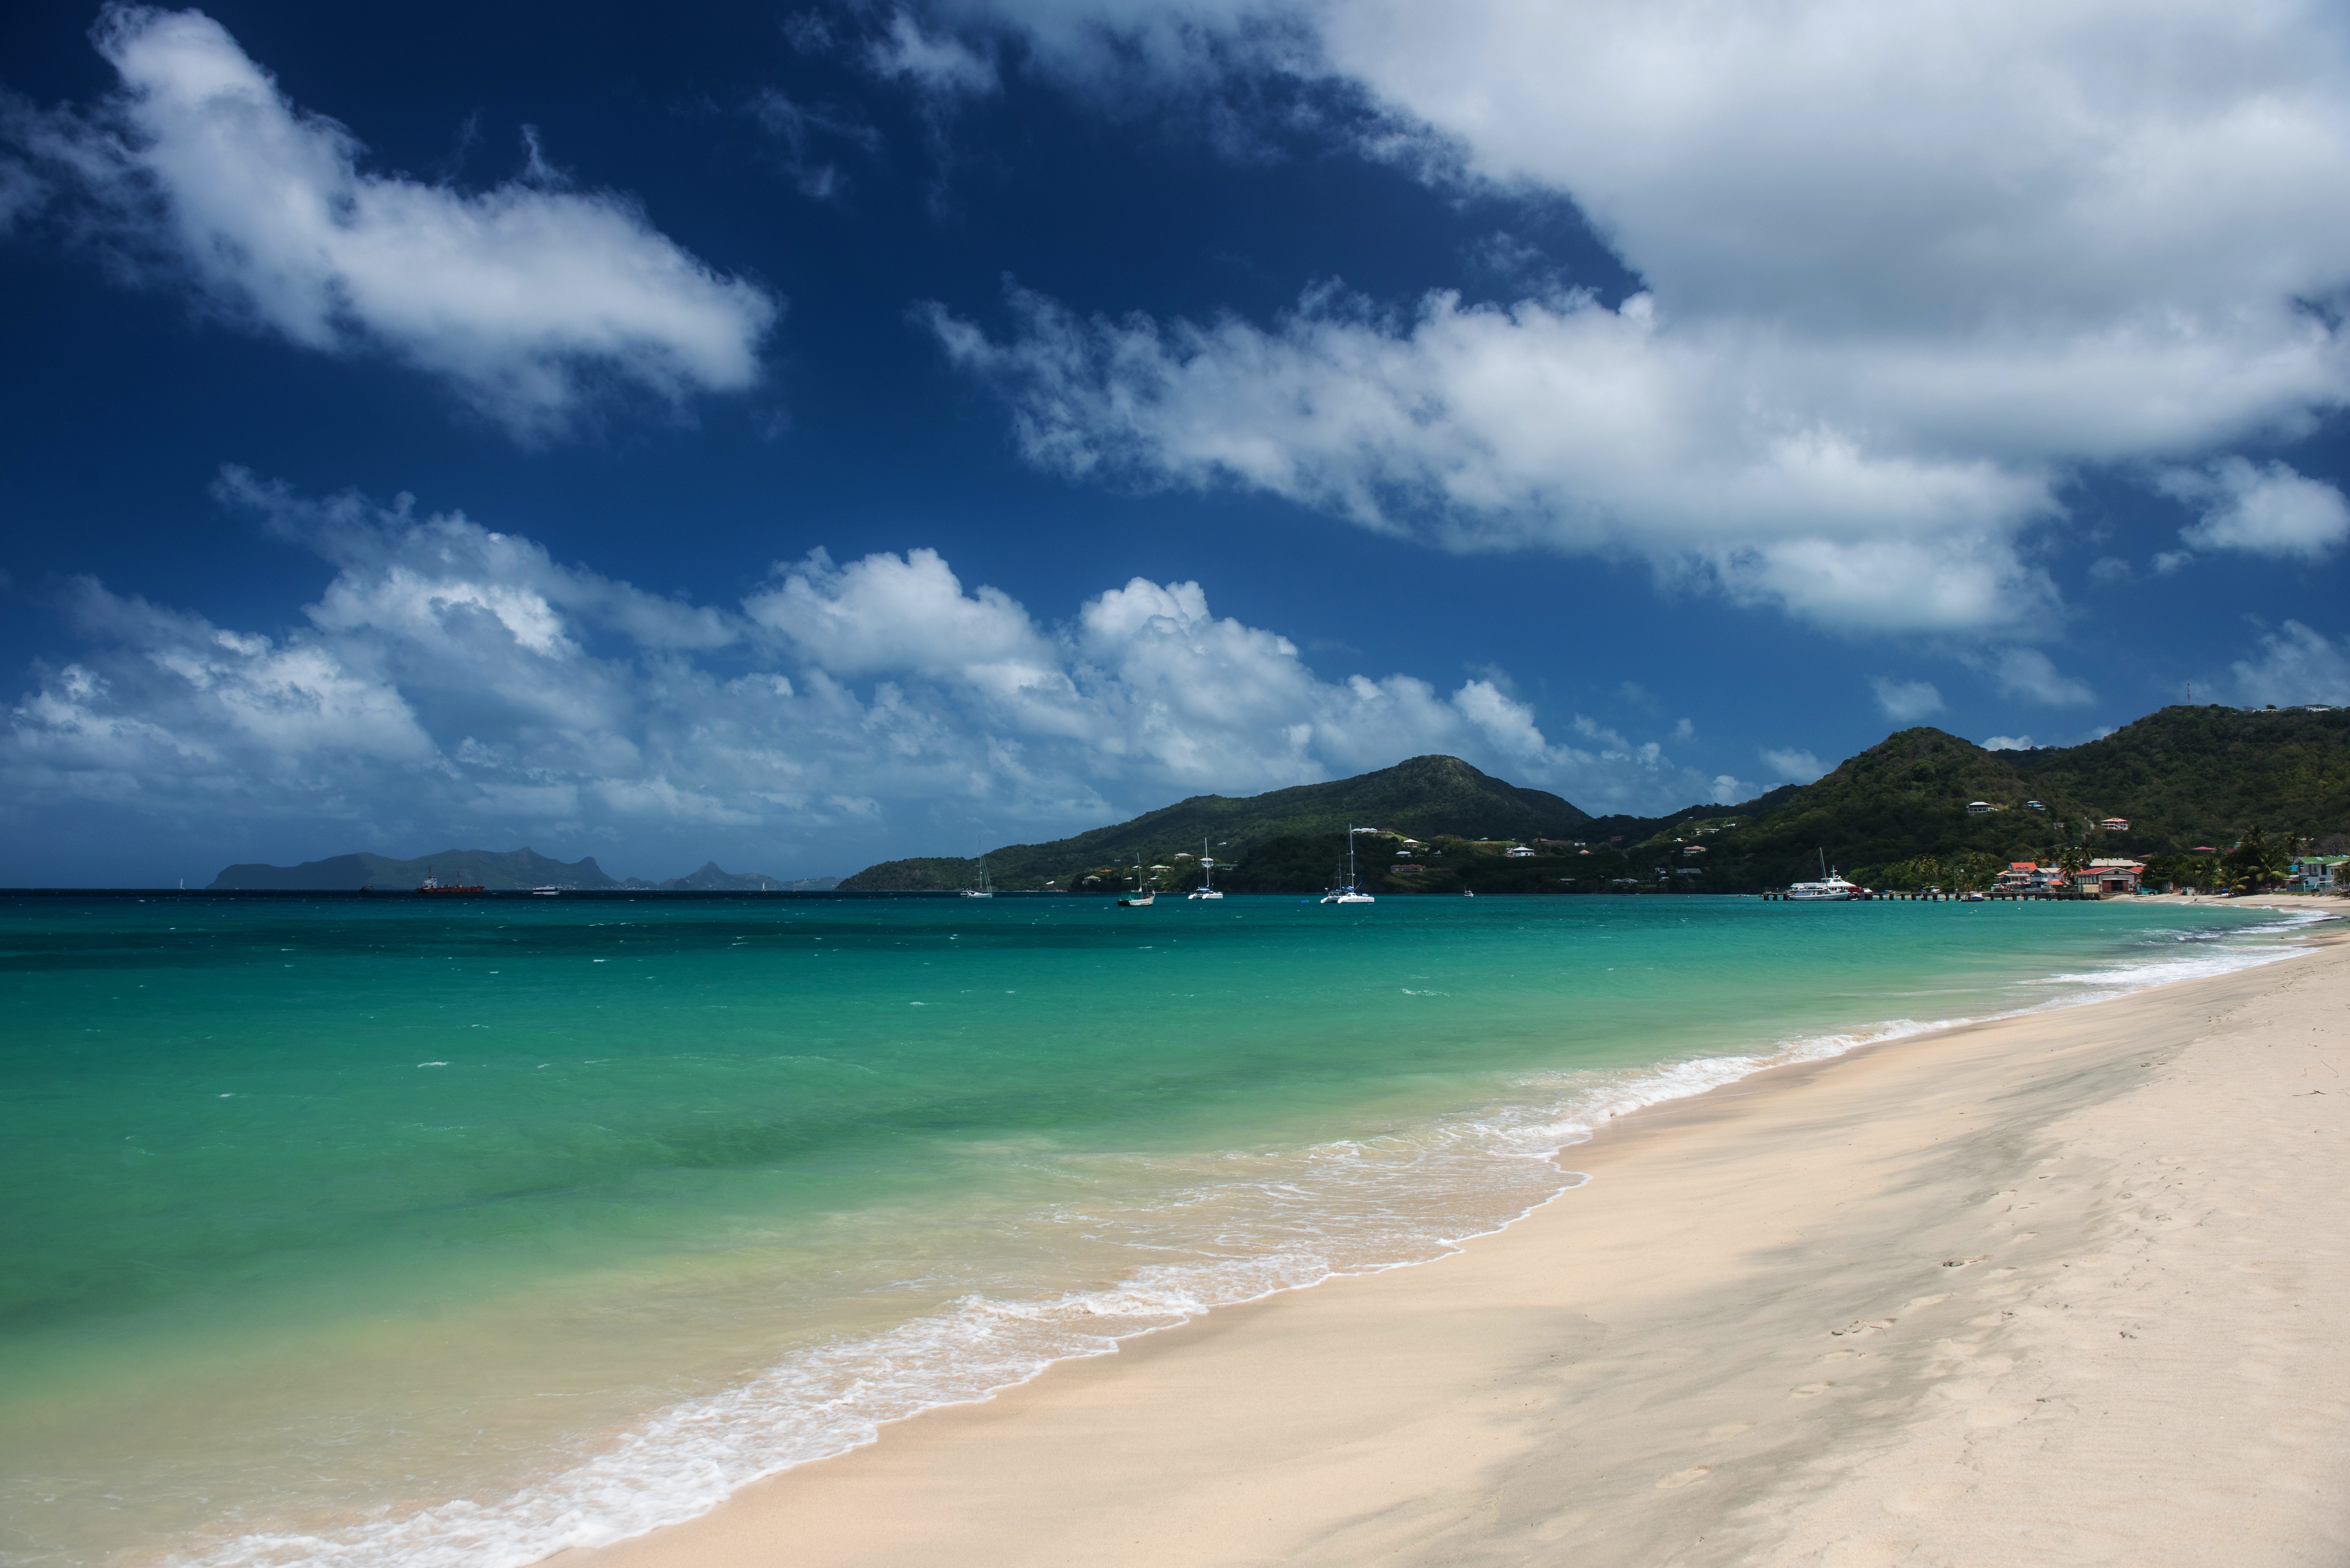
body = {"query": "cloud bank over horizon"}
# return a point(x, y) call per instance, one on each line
point(456, 681)
point(1903, 275)
point(526, 298)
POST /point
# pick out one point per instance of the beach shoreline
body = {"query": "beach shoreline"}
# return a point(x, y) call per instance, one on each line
point(1792, 1319)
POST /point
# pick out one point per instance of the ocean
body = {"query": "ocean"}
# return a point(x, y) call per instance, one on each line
point(402, 1234)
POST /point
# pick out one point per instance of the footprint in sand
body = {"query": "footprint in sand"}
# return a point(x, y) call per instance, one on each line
point(1683, 1478)
point(1858, 1326)
point(1808, 1389)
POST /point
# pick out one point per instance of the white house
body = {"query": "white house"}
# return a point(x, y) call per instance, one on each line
point(2112, 876)
point(1518, 852)
point(2314, 873)
point(1977, 807)
point(2115, 825)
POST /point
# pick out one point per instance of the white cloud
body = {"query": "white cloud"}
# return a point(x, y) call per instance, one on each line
point(2264, 510)
point(1906, 268)
point(1793, 766)
point(1556, 422)
point(456, 683)
point(938, 63)
point(2032, 675)
point(1904, 701)
point(521, 296)
point(2108, 569)
point(2294, 665)
point(1729, 789)
point(2008, 743)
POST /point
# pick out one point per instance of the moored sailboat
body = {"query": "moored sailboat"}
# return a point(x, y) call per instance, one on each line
point(1207, 887)
point(1350, 891)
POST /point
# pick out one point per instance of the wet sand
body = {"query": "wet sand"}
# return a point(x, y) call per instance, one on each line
point(2073, 1288)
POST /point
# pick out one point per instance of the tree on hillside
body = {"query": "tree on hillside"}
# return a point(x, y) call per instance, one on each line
point(2069, 859)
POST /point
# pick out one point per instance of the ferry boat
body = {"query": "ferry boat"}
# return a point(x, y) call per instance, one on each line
point(1831, 886)
point(1349, 891)
point(433, 885)
point(1207, 887)
point(547, 892)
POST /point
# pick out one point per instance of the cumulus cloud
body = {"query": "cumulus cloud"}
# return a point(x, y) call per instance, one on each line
point(1558, 422)
point(456, 682)
point(1906, 701)
point(200, 171)
point(2031, 675)
point(1793, 766)
point(1904, 271)
point(2008, 743)
point(2294, 665)
point(2263, 510)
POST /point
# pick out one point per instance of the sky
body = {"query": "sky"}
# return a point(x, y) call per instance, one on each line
point(802, 435)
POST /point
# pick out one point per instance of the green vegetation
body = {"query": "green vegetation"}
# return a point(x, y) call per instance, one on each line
point(1424, 797)
point(2250, 784)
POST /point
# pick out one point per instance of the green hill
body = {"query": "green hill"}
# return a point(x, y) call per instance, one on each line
point(2185, 776)
point(2180, 777)
point(1899, 810)
point(1422, 797)
point(499, 870)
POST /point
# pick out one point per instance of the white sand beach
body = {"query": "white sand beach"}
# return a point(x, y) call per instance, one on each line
point(2070, 1288)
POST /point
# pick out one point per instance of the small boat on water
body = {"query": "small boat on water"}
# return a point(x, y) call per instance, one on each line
point(983, 890)
point(547, 892)
point(1143, 896)
point(1207, 887)
point(1350, 891)
point(434, 885)
point(1831, 886)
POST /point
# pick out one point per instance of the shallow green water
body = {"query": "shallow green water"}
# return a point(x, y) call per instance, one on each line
point(407, 1233)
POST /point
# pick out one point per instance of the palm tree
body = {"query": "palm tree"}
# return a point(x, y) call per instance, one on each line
point(2254, 862)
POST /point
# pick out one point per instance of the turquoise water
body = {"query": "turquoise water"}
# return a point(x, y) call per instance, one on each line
point(420, 1233)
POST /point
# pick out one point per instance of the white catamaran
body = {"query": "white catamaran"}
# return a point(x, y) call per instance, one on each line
point(1831, 886)
point(1207, 887)
point(1349, 891)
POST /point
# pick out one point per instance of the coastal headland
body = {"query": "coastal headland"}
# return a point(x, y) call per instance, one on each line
point(2063, 1288)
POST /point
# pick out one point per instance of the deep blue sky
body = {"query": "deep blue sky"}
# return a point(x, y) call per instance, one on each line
point(128, 381)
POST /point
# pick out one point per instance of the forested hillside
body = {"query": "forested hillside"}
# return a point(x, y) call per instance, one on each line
point(1424, 795)
point(1898, 811)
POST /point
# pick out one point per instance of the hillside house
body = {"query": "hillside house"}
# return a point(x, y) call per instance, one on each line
point(2115, 825)
point(1977, 808)
point(2034, 805)
point(1518, 852)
